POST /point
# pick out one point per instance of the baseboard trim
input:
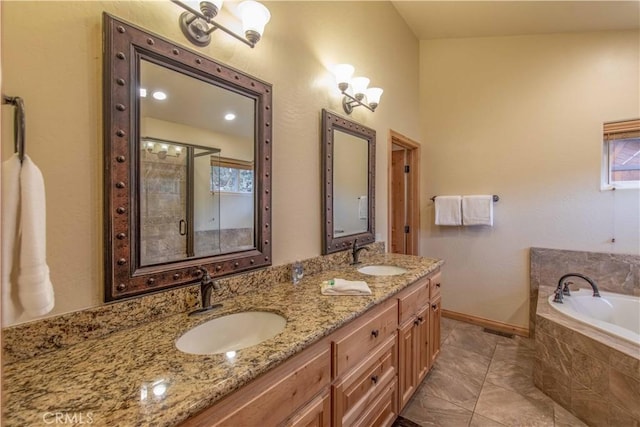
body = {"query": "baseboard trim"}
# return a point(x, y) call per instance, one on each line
point(486, 323)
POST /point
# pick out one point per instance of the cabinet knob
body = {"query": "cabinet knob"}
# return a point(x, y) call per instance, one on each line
point(375, 333)
point(374, 379)
point(435, 307)
point(437, 285)
point(416, 322)
point(420, 319)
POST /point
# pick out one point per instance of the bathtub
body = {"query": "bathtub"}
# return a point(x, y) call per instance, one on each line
point(615, 314)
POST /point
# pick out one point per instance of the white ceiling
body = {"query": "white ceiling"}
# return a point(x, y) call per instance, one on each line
point(456, 19)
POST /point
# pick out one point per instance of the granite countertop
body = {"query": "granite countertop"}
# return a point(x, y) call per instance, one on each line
point(137, 377)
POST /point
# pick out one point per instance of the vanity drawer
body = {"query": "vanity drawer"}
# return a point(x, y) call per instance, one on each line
point(354, 342)
point(435, 286)
point(413, 299)
point(383, 411)
point(359, 388)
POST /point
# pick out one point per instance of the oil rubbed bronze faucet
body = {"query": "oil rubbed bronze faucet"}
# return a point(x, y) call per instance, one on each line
point(563, 287)
point(355, 251)
point(207, 285)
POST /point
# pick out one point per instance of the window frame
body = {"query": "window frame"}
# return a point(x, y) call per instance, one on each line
point(230, 163)
point(616, 131)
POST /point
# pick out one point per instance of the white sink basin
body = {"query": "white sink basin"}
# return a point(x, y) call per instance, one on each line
point(382, 270)
point(232, 332)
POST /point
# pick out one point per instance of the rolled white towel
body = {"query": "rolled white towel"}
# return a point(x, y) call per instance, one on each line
point(34, 286)
point(11, 308)
point(345, 287)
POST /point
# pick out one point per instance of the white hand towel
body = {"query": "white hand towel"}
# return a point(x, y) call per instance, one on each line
point(477, 210)
point(34, 285)
point(448, 210)
point(10, 204)
point(345, 287)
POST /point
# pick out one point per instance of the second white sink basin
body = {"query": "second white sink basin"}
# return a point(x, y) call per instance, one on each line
point(382, 270)
point(232, 332)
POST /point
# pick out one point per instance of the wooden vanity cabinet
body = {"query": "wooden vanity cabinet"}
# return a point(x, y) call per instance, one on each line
point(435, 316)
point(295, 393)
point(413, 338)
point(364, 387)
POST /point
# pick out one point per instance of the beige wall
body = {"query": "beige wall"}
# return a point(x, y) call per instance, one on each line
point(51, 56)
point(522, 117)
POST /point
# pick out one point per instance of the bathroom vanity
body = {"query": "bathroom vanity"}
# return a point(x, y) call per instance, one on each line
point(327, 364)
point(363, 374)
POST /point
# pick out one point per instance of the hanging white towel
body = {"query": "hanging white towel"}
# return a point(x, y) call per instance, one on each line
point(34, 285)
point(448, 210)
point(345, 287)
point(11, 308)
point(477, 210)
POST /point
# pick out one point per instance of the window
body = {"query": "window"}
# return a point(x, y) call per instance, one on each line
point(621, 165)
point(231, 175)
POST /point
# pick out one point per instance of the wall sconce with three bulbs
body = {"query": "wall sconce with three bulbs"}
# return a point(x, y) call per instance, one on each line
point(360, 95)
point(197, 22)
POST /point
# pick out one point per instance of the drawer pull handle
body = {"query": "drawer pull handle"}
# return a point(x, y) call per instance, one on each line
point(435, 307)
point(416, 322)
point(375, 333)
point(437, 285)
point(420, 319)
point(374, 379)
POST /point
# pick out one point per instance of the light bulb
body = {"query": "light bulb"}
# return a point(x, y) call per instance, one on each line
point(343, 73)
point(373, 96)
point(359, 85)
point(254, 17)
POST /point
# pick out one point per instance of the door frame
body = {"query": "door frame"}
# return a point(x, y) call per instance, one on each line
point(414, 185)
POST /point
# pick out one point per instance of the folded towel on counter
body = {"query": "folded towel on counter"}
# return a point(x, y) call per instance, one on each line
point(448, 210)
point(477, 210)
point(345, 287)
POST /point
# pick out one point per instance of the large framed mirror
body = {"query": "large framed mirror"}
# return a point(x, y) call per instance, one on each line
point(187, 151)
point(348, 183)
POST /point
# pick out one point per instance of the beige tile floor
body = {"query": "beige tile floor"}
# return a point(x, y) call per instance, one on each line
point(483, 380)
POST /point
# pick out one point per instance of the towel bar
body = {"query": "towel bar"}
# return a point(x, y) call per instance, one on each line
point(495, 198)
point(18, 124)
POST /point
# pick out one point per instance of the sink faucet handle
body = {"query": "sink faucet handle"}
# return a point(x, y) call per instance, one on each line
point(565, 288)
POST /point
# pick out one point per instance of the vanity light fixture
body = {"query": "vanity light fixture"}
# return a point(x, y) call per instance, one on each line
point(197, 22)
point(355, 89)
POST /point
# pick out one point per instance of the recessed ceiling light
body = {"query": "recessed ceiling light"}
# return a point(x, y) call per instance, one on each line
point(143, 92)
point(229, 116)
point(159, 95)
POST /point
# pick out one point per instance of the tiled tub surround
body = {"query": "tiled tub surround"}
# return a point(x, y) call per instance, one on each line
point(619, 273)
point(112, 377)
point(594, 375)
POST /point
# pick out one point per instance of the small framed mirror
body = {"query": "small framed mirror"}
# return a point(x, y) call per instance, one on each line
point(348, 177)
point(187, 164)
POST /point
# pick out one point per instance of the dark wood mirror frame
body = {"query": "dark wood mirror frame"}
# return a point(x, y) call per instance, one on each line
point(124, 46)
point(330, 123)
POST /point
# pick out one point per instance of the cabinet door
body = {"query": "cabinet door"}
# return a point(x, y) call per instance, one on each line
point(316, 413)
point(434, 327)
point(407, 343)
point(423, 351)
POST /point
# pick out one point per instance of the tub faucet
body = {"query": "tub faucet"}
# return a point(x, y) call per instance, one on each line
point(563, 287)
point(355, 251)
point(207, 285)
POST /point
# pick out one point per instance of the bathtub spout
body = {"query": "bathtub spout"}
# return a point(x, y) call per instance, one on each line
point(562, 286)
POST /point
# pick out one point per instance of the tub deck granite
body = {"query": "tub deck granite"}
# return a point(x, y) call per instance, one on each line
point(111, 379)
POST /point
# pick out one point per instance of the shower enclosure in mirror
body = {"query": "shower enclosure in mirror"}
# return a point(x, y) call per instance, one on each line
point(348, 153)
point(187, 164)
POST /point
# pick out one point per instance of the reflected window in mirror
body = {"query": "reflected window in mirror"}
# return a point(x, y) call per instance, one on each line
point(191, 187)
point(348, 154)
